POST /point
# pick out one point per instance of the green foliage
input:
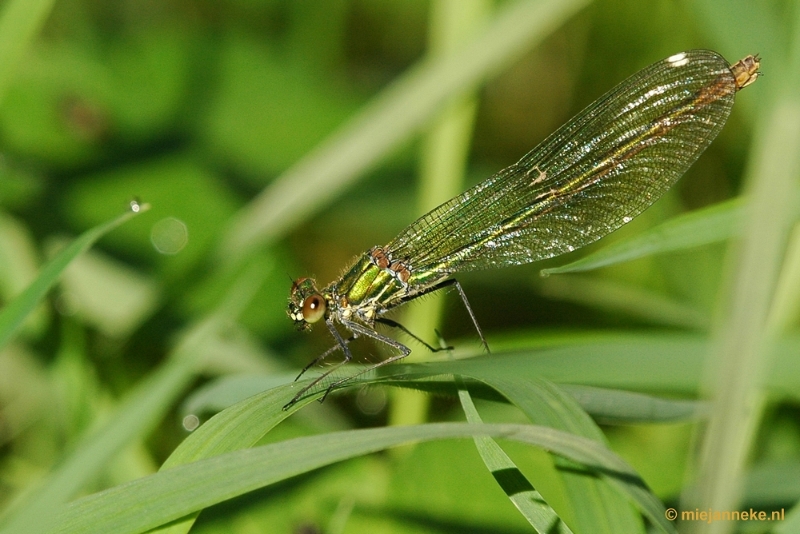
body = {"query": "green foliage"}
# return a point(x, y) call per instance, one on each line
point(281, 137)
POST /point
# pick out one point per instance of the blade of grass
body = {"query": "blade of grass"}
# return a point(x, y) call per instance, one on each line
point(20, 22)
point(391, 118)
point(138, 413)
point(609, 406)
point(612, 406)
point(666, 363)
point(740, 358)
point(247, 422)
point(595, 505)
point(154, 500)
point(445, 149)
point(614, 296)
point(519, 490)
point(15, 313)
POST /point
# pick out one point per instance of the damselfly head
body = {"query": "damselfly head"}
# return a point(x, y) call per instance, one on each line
point(306, 304)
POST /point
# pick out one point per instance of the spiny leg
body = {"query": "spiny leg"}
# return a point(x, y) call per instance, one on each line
point(395, 324)
point(340, 344)
point(461, 293)
point(319, 358)
point(359, 329)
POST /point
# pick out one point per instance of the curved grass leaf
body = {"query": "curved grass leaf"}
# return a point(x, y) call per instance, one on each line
point(652, 362)
point(173, 493)
point(613, 406)
point(607, 406)
point(228, 390)
point(15, 313)
point(247, 422)
point(517, 488)
point(595, 506)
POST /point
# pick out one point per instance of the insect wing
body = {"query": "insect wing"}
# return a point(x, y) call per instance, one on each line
point(594, 174)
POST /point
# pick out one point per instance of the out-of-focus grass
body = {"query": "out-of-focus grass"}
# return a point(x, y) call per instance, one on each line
point(283, 134)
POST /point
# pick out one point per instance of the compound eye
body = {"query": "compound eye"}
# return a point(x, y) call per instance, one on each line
point(313, 308)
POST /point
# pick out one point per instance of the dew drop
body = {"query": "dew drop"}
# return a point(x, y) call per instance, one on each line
point(371, 401)
point(169, 235)
point(191, 422)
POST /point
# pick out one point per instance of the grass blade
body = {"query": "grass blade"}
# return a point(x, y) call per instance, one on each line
point(391, 118)
point(142, 409)
point(20, 21)
point(154, 500)
point(519, 490)
point(744, 339)
point(596, 506)
point(15, 313)
point(612, 406)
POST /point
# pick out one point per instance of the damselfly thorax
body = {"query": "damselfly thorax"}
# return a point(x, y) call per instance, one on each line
point(372, 286)
point(593, 175)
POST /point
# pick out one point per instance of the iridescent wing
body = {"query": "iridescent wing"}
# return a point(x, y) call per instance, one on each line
point(594, 174)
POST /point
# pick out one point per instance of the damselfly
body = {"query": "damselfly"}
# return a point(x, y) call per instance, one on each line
point(593, 175)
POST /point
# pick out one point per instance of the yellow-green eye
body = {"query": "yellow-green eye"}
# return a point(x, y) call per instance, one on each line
point(313, 308)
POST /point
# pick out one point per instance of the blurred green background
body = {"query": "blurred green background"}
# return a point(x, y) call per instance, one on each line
point(198, 107)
